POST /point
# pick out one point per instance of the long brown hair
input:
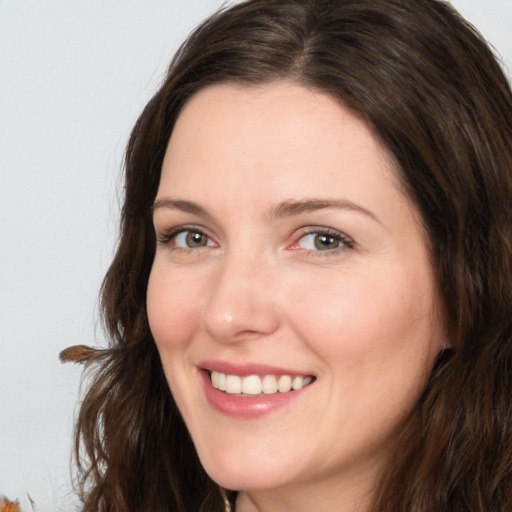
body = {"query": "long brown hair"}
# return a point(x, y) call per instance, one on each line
point(431, 89)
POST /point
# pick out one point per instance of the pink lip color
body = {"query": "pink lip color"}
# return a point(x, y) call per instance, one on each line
point(247, 369)
point(246, 407)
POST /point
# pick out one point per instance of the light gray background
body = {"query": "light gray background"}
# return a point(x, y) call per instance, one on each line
point(73, 78)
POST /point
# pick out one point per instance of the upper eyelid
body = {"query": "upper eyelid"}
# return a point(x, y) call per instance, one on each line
point(170, 233)
point(164, 223)
point(183, 227)
point(308, 230)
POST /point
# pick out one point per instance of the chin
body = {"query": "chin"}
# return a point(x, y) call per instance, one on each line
point(241, 473)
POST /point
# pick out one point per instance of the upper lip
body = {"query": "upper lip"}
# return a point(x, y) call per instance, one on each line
point(244, 369)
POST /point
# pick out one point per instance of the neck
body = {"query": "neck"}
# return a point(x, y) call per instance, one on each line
point(351, 497)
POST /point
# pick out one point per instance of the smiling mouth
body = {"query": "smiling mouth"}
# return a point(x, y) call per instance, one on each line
point(254, 385)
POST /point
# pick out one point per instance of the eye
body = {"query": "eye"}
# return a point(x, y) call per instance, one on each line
point(186, 238)
point(191, 239)
point(324, 240)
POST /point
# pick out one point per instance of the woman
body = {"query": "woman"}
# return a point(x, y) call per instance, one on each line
point(315, 258)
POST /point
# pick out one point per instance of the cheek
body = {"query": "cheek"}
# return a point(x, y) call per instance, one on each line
point(365, 320)
point(377, 343)
point(173, 307)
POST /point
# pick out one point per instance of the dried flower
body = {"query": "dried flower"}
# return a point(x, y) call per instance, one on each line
point(9, 506)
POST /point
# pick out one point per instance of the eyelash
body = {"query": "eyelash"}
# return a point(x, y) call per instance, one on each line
point(345, 241)
point(171, 235)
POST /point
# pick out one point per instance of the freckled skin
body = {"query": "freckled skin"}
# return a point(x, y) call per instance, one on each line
point(361, 316)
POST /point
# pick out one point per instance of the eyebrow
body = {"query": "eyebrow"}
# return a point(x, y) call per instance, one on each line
point(181, 205)
point(290, 208)
point(283, 209)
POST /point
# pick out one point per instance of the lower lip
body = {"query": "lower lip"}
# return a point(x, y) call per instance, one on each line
point(247, 407)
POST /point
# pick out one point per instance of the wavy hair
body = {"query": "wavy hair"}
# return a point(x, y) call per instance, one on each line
point(433, 92)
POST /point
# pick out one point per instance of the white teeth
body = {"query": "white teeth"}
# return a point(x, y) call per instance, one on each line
point(297, 383)
point(269, 384)
point(222, 381)
point(284, 383)
point(255, 385)
point(251, 385)
point(233, 384)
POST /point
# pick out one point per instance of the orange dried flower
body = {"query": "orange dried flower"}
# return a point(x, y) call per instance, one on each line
point(9, 506)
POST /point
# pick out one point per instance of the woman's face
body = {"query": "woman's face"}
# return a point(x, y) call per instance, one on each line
point(288, 255)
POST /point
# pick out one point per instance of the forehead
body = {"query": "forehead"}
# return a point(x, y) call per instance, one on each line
point(279, 130)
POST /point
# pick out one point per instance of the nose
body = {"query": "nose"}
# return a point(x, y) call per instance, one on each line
point(241, 302)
